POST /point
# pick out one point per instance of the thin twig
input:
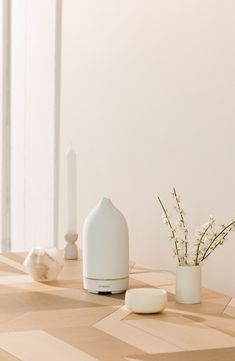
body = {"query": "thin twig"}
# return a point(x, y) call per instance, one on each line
point(170, 225)
point(183, 222)
point(217, 244)
point(200, 241)
point(214, 239)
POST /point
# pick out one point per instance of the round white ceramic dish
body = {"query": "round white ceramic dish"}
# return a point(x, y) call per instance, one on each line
point(146, 300)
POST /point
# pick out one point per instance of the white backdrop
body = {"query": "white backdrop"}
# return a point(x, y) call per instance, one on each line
point(148, 101)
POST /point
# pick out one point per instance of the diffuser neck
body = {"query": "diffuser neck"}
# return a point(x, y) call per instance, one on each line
point(106, 201)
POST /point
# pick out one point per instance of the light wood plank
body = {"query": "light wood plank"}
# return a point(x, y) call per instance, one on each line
point(184, 333)
point(38, 346)
point(135, 336)
point(222, 354)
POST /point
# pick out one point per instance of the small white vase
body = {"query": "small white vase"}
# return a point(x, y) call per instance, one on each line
point(188, 284)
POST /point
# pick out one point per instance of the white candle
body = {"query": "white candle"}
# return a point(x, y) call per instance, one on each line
point(72, 190)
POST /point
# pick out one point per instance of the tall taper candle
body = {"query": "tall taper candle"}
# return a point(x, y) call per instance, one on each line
point(72, 190)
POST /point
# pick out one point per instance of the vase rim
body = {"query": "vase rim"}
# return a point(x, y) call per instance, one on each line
point(189, 266)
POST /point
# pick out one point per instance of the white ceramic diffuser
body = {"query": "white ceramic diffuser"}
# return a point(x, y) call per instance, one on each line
point(105, 249)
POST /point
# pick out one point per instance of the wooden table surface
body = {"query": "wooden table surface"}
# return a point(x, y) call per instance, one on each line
point(60, 321)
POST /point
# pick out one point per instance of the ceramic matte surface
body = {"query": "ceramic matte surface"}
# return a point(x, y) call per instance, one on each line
point(146, 300)
point(70, 249)
point(188, 284)
point(105, 249)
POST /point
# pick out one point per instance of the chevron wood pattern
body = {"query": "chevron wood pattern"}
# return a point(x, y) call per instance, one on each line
point(60, 321)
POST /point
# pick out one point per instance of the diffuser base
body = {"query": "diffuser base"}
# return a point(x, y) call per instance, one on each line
point(98, 285)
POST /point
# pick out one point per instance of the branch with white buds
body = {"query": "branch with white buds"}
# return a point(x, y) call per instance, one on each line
point(207, 238)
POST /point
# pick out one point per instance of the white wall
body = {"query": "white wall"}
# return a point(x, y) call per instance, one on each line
point(148, 101)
